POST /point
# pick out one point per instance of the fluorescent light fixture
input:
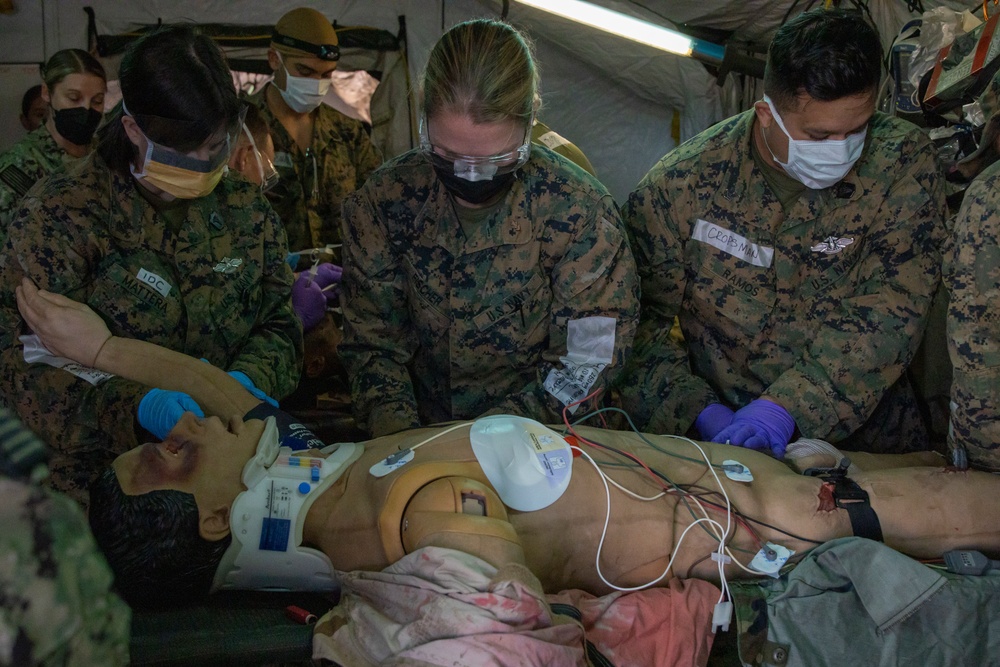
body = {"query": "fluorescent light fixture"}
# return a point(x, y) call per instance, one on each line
point(616, 23)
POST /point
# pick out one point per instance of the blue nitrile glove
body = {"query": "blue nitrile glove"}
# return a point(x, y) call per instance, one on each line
point(713, 419)
point(308, 300)
point(248, 384)
point(292, 259)
point(160, 410)
point(760, 425)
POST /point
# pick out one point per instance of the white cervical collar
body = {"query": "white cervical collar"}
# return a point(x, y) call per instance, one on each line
point(266, 520)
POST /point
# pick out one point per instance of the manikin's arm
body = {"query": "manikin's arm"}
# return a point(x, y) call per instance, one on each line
point(72, 330)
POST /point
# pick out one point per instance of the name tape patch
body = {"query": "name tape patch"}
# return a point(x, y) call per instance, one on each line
point(732, 243)
point(153, 281)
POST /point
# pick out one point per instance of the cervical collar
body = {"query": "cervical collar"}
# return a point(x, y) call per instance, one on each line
point(266, 520)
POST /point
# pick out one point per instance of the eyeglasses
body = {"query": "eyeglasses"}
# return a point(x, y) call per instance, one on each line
point(474, 167)
point(268, 173)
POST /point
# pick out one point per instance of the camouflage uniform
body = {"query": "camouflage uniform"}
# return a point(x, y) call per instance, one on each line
point(972, 273)
point(214, 284)
point(57, 608)
point(442, 327)
point(307, 198)
point(826, 327)
point(853, 601)
point(27, 161)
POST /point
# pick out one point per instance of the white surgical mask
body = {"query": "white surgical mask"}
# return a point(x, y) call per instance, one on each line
point(302, 93)
point(818, 164)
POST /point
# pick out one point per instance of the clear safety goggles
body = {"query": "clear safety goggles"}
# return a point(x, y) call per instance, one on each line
point(473, 167)
point(268, 172)
point(166, 155)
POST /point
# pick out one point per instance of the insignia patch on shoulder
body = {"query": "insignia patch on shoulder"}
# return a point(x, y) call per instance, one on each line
point(16, 180)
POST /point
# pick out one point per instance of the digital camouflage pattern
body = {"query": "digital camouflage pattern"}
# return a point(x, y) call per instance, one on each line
point(213, 284)
point(972, 274)
point(853, 601)
point(24, 164)
point(750, 624)
point(826, 327)
point(441, 327)
point(58, 608)
point(313, 183)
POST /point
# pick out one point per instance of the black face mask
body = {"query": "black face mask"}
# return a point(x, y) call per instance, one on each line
point(474, 192)
point(77, 124)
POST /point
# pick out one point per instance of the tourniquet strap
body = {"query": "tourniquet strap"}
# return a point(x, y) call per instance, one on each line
point(848, 495)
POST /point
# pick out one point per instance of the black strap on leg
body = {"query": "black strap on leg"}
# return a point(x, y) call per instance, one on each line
point(595, 657)
point(851, 497)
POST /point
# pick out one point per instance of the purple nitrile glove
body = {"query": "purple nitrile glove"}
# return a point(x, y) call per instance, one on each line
point(328, 276)
point(308, 300)
point(759, 425)
point(160, 410)
point(713, 419)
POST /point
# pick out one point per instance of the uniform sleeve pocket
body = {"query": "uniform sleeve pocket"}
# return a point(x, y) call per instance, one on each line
point(592, 258)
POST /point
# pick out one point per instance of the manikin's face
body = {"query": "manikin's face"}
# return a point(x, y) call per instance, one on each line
point(814, 120)
point(200, 456)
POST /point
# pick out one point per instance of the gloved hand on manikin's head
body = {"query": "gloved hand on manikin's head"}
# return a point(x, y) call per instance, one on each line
point(160, 410)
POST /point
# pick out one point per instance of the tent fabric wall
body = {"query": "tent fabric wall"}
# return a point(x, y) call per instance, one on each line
point(613, 98)
point(378, 52)
point(393, 110)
